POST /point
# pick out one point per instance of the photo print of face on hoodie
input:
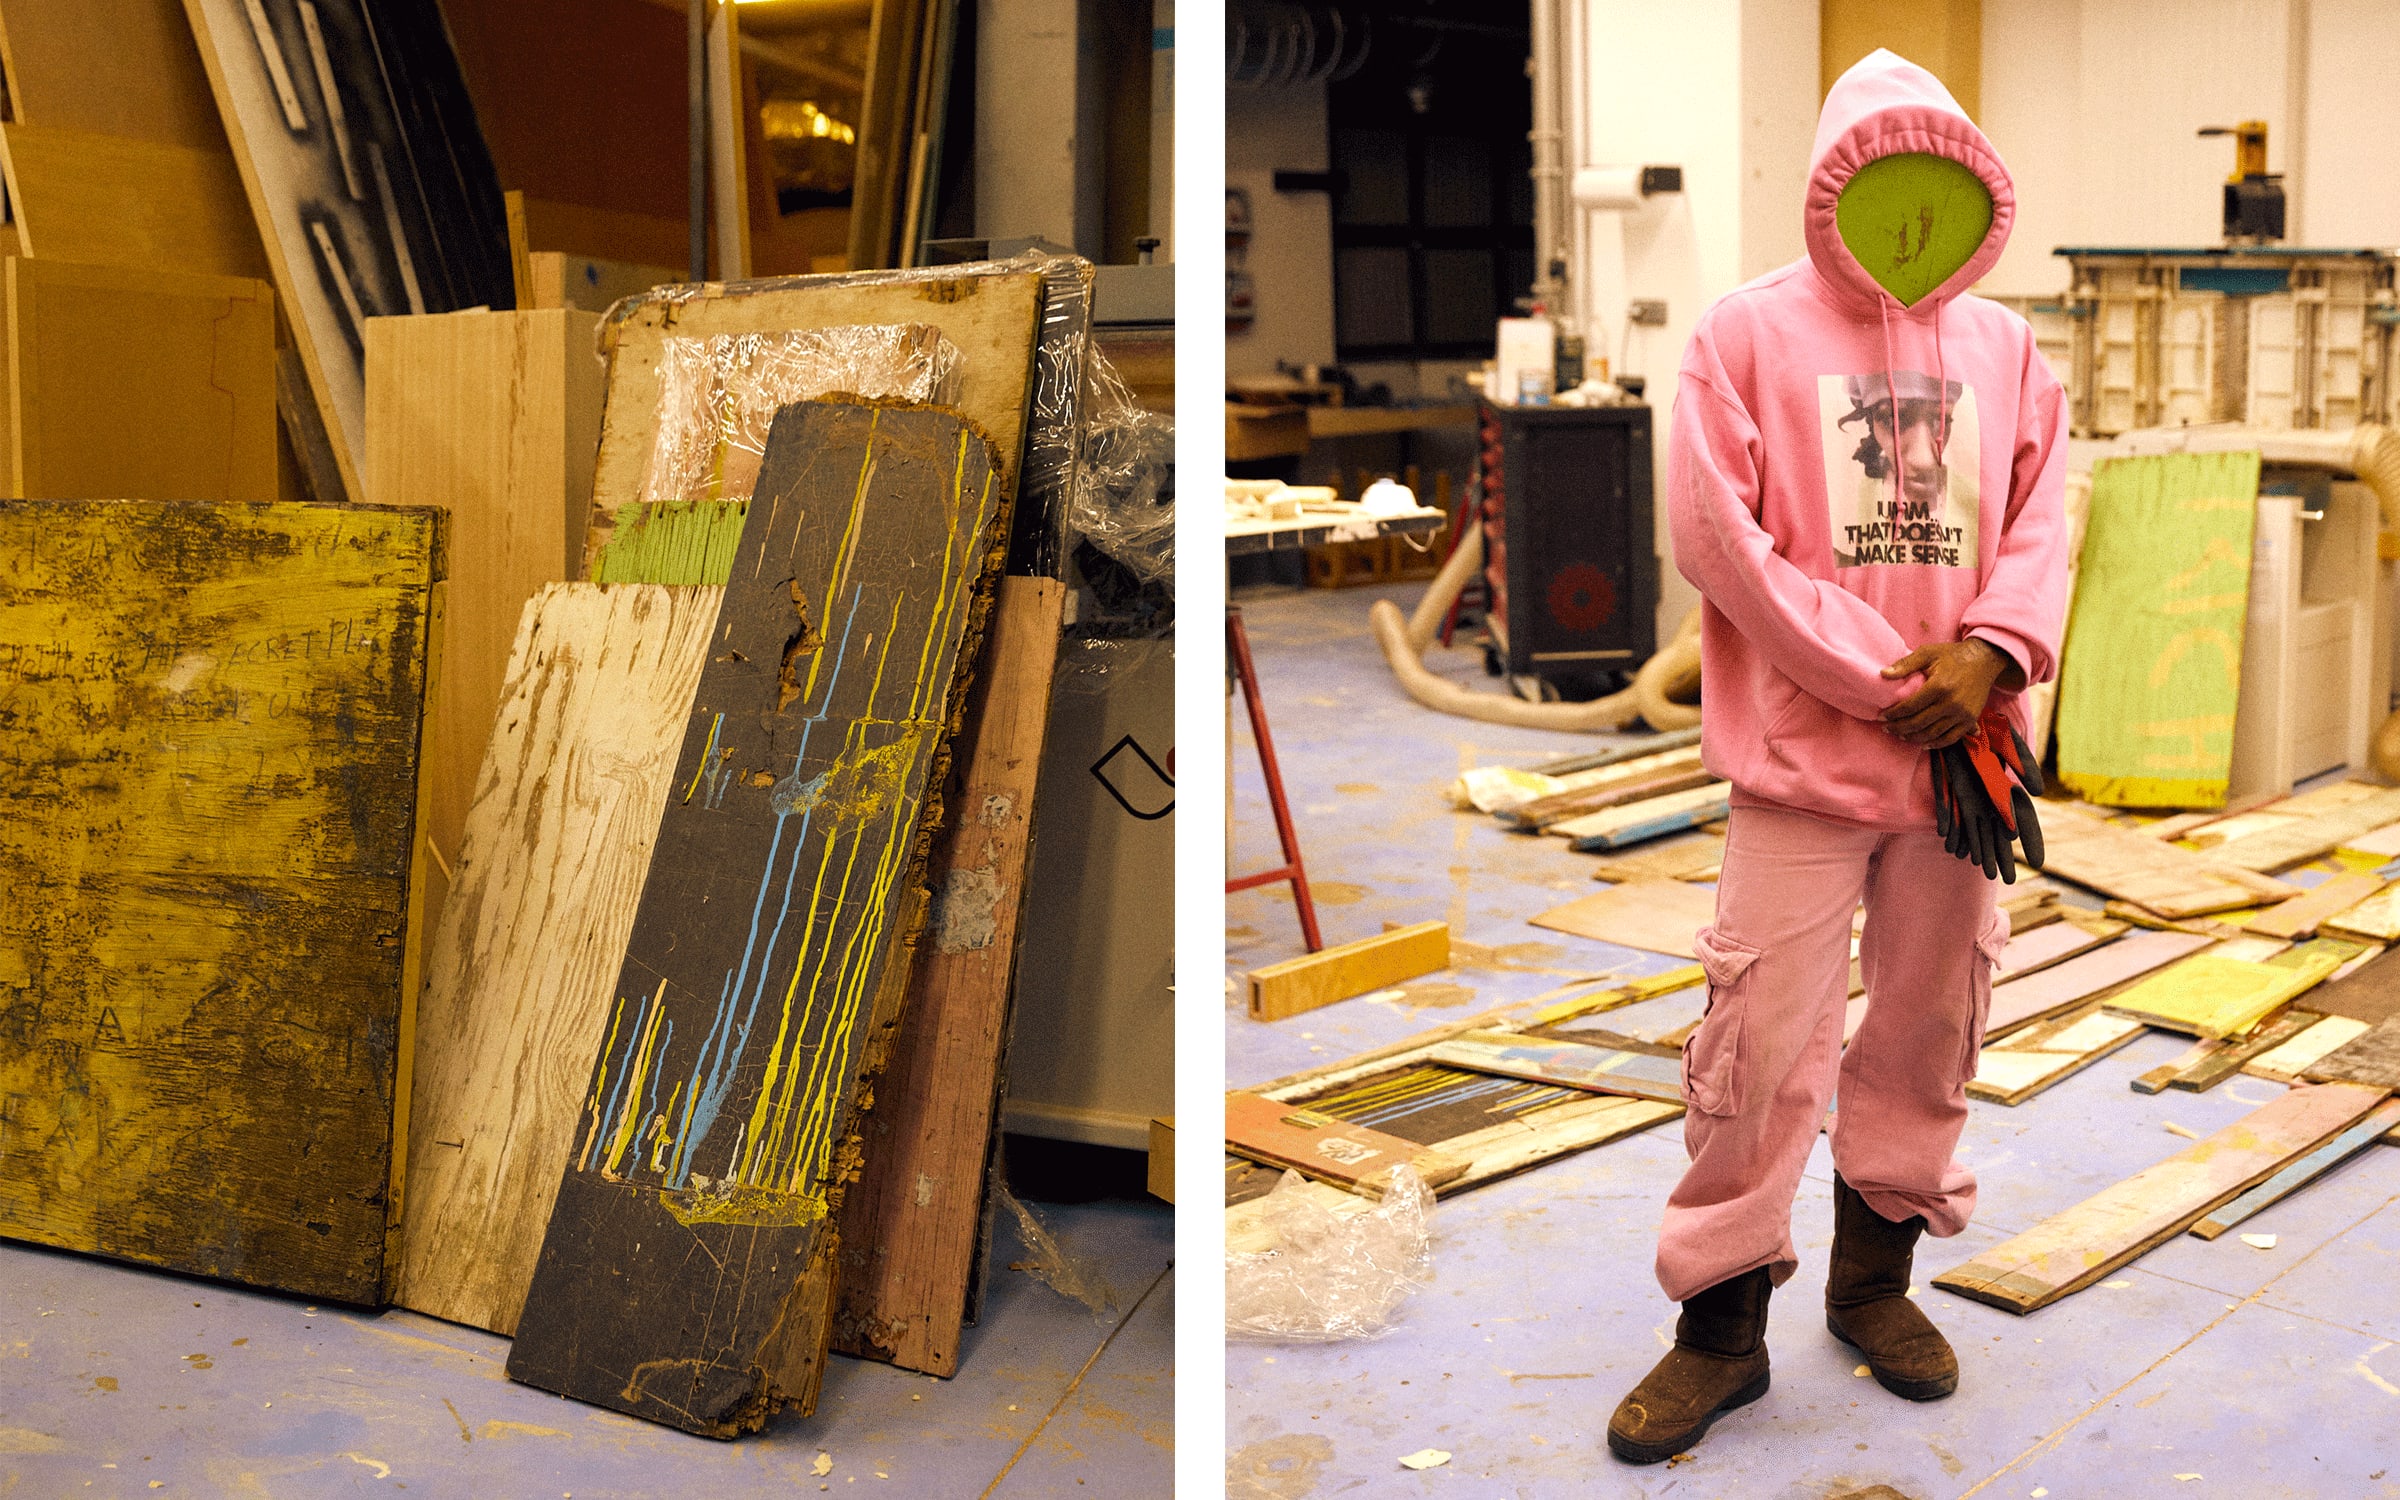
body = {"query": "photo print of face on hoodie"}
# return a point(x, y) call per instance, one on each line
point(1901, 455)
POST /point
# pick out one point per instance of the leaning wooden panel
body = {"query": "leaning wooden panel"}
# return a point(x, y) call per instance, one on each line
point(990, 314)
point(2070, 1251)
point(140, 383)
point(209, 737)
point(492, 416)
point(716, 1137)
point(526, 954)
point(909, 1226)
point(111, 200)
point(118, 67)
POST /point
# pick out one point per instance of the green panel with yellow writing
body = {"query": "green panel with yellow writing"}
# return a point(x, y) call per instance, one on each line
point(2153, 664)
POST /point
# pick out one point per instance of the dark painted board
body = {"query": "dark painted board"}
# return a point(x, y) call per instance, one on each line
point(210, 728)
point(1428, 1103)
point(774, 926)
point(2370, 994)
point(2372, 1058)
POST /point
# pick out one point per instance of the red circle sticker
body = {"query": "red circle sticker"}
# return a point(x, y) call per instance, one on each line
point(1582, 597)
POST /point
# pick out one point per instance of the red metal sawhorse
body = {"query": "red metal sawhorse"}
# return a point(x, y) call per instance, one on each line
point(1237, 651)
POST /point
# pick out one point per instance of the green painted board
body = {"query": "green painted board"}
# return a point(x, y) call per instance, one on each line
point(211, 718)
point(671, 541)
point(2153, 663)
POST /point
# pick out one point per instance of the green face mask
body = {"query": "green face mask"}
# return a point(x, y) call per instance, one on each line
point(1912, 220)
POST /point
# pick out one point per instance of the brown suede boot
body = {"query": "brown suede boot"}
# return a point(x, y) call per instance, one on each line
point(1719, 1362)
point(1867, 1305)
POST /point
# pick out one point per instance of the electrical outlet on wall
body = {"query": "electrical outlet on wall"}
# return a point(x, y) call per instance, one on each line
point(1650, 312)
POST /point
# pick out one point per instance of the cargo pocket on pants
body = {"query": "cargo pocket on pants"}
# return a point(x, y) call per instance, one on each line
point(1990, 944)
point(1712, 1055)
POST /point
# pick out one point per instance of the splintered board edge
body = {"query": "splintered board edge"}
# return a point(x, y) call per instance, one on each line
point(1348, 969)
point(1332, 1150)
point(694, 1217)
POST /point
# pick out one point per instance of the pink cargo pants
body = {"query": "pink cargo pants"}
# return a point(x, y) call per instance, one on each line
point(1758, 1073)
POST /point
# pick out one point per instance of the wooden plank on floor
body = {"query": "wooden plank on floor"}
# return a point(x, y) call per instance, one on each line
point(1658, 916)
point(1695, 854)
point(2300, 1173)
point(210, 801)
point(2037, 1057)
point(1575, 1064)
point(2370, 993)
point(133, 383)
point(2119, 862)
point(524, 961)
point(2286, 1061)
point(112, 200)
point(910, 1223)
point(769, 955)
point(2018, 1002)
point(2278, 848)
point(492, 416)
point(2302, 915)
point(2370, 1058)
point(2223, 1056)
point(1639, 822)
point(2377, 917)
point(1611, 786)
point(2070, 1251)
point(987, 313)
point(2037, 948)
point(1345, 970)
point(2208, 995)
point(2165, 563)
point(1325, 1147)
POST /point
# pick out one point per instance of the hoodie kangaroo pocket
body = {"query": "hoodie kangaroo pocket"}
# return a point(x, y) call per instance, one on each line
point(1712, 1055)
point(1990, 944)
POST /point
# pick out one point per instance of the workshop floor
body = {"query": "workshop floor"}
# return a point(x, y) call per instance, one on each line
point(2202, 1369)
point(117, 1381)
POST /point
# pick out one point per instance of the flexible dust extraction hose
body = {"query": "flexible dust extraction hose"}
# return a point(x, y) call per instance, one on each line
point(1675, 670)
point(2370, 450)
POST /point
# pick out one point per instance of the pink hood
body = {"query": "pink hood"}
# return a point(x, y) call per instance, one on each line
point(1848, 479)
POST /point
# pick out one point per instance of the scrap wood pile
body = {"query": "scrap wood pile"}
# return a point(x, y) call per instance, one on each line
point(597, 1074)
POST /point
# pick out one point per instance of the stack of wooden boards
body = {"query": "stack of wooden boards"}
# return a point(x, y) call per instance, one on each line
point(674, 859)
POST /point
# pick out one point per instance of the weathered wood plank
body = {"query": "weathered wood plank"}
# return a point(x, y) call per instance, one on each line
point(2373, 1058)
point(1300, 984)
point(1324, 1147)
point(2277, 848)
point(525, 957)
point(1639, 822)
point(2040, 1056)
point(1574, 1064)
point(2370, 993)
point(769, 954)
point(209, 740)
point(2303, 914)
point(1658, 916)
point(2170, 881)
point(2300, 1173)
point(2286, 1061)
point(2201, 1071)
point(909, 1225)
point(2070, 1251)
point(2206, 995)
point(2044, 993)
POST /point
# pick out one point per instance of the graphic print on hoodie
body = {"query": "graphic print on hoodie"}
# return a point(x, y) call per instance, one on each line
point(1848, 479)
point(1905, 492)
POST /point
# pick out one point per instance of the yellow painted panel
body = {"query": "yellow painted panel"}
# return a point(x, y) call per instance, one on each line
point(2217, 997)
point(210, 718)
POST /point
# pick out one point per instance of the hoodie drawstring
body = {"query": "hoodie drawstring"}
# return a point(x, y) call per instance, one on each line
point(1891, 392)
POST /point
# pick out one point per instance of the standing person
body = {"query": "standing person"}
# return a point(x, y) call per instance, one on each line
point(1866, 490)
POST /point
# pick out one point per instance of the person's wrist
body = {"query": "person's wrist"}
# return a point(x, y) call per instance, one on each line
point(1994, 660)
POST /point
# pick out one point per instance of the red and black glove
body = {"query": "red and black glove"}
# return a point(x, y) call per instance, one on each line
point(1983, 790)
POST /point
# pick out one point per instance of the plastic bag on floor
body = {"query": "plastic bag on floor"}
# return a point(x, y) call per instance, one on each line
point(1317, 1265)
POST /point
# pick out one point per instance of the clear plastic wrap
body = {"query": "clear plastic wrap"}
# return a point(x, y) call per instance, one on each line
point(1048, 1262)
point(717, 396)
point(1124, 500)
point(1324, 1276)
point(1054, 424)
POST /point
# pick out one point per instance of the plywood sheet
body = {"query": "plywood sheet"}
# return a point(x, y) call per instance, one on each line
point(2033, 1059)
point(1295, 985)
point(114, 67)
point(910, 1225)
point(209, 736)
point(2303, 914)
point(2120, 862)
point(2206, 995)
point(2277, 848)
point(1596, 1069)
point(690, 1246)
point(2152, 662)
point(1694, 855)
point(111, 200)
point(2020, 1001)
point(1661, 916)
point(989, 313)
point(493, 416)
point(2072, 1250)
point(140, 383)
point(524, 960)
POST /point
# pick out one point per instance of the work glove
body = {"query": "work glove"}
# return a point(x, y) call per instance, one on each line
point(1983, 790)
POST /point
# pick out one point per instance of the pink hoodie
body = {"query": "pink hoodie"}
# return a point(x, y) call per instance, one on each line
point(1849, 479)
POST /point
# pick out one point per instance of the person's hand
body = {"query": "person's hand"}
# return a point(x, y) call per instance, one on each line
point(1958, 678)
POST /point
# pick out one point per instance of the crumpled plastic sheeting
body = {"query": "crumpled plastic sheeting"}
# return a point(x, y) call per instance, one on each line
point(1050, 1264)
point(717, 396)
point(1123, 502)
point(1330, 1277)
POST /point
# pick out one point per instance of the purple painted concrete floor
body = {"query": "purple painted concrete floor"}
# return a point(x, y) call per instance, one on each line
point(118, 1381)
point(2204, 1368)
